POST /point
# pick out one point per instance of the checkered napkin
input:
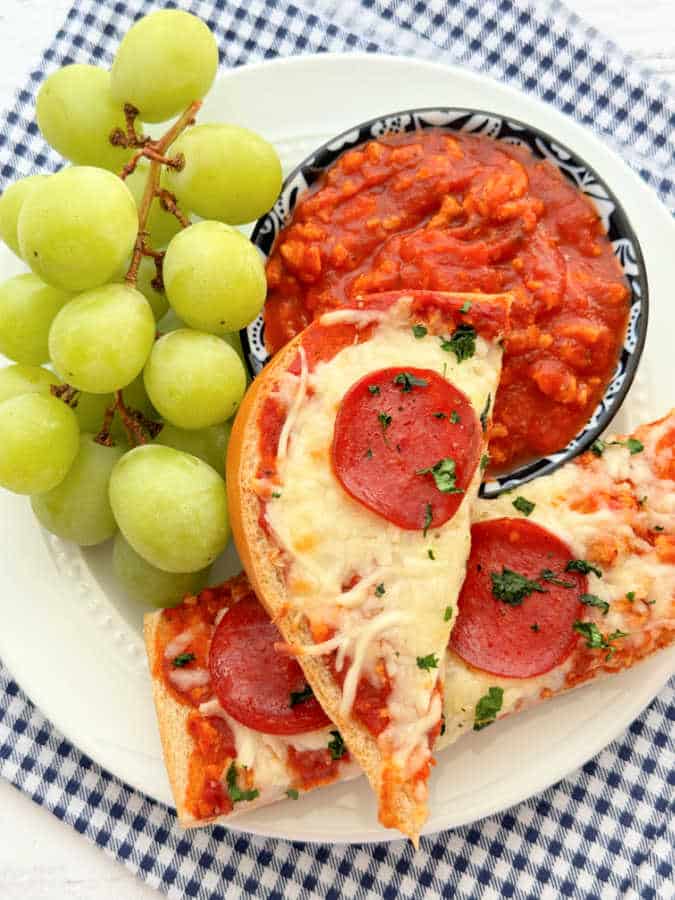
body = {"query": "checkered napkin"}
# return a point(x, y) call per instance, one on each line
point(607, 830)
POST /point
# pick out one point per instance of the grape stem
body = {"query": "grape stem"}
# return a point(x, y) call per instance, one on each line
point(66, 392)
point(134, 422)
point(136, 425)
point(168, 201)
point(104, 437)
point(155, 151)
point(129, 137)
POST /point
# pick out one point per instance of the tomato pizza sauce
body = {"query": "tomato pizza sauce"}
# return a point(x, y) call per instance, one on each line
point(466, 213)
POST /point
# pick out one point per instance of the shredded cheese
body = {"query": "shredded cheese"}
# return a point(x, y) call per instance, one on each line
point(295, 407)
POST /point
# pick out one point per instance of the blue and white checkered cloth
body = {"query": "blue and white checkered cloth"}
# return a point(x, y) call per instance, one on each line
point(608, 830)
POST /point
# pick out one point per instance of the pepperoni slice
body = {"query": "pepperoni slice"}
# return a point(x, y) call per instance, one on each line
point(391, 426)
point(253, 681)
point(535, 633)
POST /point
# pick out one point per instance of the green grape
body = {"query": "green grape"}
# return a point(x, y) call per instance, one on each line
point(77, 114)
point(39, 440)
point(147, 271)
point(165, 61)
point(27, 309)
point(209, 444)
point(161, 224)
point(214, 278)
point(194, 379)
point(230, 173)
point(101, 339)
point(171, 507)
point(78, 509)
point(79, 228)
point(19, 379)
point(11, 201)
point(147, 583)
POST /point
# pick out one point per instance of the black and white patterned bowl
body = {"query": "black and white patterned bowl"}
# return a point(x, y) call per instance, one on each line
point(621, 234)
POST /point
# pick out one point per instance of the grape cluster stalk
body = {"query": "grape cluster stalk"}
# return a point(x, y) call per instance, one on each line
point(136, 424)
point(124, 334)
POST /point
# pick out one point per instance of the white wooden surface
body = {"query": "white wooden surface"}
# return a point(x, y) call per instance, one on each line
point(41, 858)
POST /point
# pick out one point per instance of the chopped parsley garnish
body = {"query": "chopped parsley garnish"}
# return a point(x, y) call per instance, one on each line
point(235, 793)
point(428, 515)
point(430, 553)
point(550, 576)
point(487, 708)
point(447, 615)
point(583, 566)
point(369, 453)
point(631, 444)
point(512, 587)
point(183, 659)
point(408, 381)
point(594, 600)
point(336, 746)
point(442, 724)
point(276, 494)
point(419, 331)
point(535, 627)
point(300, 696)
point(444, 476)
point(384, 420)
point(484, 461)
point(427, 662)
point(630, 596)
point(379, 590)
point(596, 640)
point(439, 415)
point(373, 389)
point(454, 417)
point(462, 342)
point(465, 307)
point(292, 793)
point(524, 505)
point(486, 412)
point(657, 528)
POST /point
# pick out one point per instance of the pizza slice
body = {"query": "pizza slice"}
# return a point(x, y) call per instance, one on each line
point(238, 722)
point(570, 580)
point(351, 469)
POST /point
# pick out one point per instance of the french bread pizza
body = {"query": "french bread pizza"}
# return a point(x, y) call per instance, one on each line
point(238, 725)
point(351, 469)
point(571, 580)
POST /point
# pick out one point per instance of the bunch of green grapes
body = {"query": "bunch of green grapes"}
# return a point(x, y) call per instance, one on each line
point(123, 336)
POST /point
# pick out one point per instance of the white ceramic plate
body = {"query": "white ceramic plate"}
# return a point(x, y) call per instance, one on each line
point(73, 642)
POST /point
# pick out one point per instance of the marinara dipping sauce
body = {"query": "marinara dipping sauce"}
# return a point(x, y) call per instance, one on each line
point(462, 212)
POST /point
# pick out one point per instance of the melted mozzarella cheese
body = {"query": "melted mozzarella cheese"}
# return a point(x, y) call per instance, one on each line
point(176, 646)
point(329, 537)
point(187, 679)
point(637, 568)
point(266, 755)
